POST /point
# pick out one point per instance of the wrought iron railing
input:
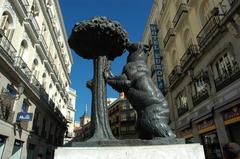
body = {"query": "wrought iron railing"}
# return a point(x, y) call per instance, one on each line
point(182, 110)
point(208, 30)
point(181, 10)
point(8, 50)
point(224, 80)
point(36, 85)
point(175, 74)
point(23, 69)
point(200, 96)
point(189, 56)
point(170, 33)
point(24, 4)
point(34, 23)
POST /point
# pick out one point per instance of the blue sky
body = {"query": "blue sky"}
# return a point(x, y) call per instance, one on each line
point(132, 14)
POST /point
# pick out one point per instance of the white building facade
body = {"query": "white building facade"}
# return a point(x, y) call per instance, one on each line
point(35, 63)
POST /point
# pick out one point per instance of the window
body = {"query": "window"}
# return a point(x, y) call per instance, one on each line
point(124, 117)
point(6, 23)
point(200, 85)
point(204, 12)
point(182, 105)
point(34, 9)
point(225, 64)
point(25, 106)
point(11, 90)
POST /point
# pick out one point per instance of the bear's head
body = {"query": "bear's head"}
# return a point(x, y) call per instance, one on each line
point(137, 52)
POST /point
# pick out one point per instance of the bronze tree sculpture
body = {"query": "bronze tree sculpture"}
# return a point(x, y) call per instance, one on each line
point(101, 40)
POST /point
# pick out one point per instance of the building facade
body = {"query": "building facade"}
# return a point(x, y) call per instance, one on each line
point(199, 45)
point(122, 119)
point(70, 114)
point(83, 130)
point(35, 63)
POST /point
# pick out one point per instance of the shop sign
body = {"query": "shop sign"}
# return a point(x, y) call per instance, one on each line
point(206, 126)
point(232, 115)
point(187, 133)
point(22, 116)
point(157, 57)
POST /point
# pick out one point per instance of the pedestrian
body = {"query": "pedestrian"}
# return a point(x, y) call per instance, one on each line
point(231, 151)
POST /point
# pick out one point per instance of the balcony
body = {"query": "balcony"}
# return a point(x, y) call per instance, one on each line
point(189, 57)
point(208, 31)
point(69, 118)
point(175, 75)
point(170, 33)
point(43, 94)
point(23, 6)
point(6, 106)
point(199, 97)
point(70, 106)
point(182, 110)
point(226, 79)
point(23, 69)
point(59, 114)
point(33, 25)
point(181, 10)
point(7, 50)
point(69, 135)
point(35, 84)
point(128, 120)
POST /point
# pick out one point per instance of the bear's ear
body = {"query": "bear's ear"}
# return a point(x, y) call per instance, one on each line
point(132, 47)
point(146, 48)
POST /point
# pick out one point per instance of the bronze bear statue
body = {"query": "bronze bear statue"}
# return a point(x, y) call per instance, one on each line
point(135, 81)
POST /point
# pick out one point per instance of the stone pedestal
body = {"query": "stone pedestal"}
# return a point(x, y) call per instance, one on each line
point(179, 151)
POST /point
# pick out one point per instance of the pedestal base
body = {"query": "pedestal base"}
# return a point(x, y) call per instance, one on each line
point(180, 151)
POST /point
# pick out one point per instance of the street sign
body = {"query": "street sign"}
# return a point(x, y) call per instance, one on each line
point(24, 116)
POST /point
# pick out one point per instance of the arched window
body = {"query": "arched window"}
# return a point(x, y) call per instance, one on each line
point(6, 24)
point(44, 82)
point(35, 68)
point(23, 50)
point(35, 9)
point(204, 12)
point(48, 3)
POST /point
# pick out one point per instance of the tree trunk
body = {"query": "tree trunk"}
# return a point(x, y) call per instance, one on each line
point(99, 118)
